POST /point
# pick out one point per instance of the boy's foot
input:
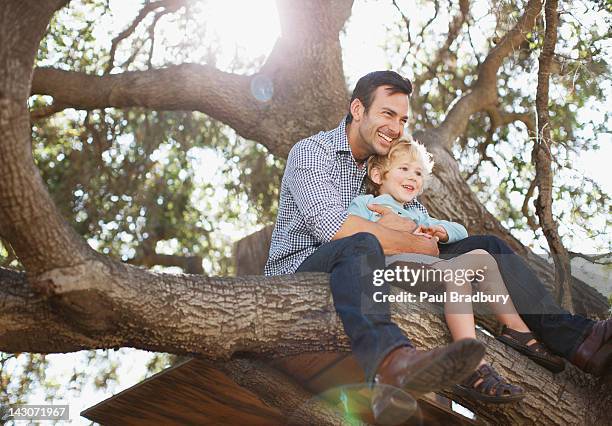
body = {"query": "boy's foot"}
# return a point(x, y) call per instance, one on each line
point(525, 343)
point(486, 385)
point(420, 372)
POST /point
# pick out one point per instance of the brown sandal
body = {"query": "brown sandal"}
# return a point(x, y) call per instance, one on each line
point(492, 388)
point(536, 351)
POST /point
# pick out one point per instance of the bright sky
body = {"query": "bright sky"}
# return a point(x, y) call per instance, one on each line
point(251, 28)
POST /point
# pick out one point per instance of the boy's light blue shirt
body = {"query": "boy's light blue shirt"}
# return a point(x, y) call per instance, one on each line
point(359, 207)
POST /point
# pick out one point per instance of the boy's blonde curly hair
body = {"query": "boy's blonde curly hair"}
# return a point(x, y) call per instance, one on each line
point(415, 150)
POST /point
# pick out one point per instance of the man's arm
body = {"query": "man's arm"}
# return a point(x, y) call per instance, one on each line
point(392, 241)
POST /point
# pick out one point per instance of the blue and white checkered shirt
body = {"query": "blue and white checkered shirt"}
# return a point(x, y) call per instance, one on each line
point(320, 181)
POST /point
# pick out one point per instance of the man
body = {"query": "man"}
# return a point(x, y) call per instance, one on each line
point(314, 232)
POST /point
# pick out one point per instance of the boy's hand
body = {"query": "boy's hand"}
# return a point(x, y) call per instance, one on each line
point(420, 231)
point(435, 231)
point(391, 220)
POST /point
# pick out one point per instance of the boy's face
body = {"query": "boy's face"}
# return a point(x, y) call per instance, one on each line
point(403, 181)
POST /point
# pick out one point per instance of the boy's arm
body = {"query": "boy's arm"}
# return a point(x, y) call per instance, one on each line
point(359, 207)
point(454, 230)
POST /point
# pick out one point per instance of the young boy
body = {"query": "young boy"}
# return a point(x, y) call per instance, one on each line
point(395, 180)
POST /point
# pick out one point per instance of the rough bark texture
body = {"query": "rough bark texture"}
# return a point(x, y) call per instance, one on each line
point(73, 298)
point(542, 157)
point(106, 304)
point(270, 317)
point(25, 204)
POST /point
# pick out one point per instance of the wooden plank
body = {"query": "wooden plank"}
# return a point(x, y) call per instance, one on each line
point(305, 366)
point(189, 393)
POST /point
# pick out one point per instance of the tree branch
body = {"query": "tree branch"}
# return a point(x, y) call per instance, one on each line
point(444, 51)
point(484, 90)
point(542, 158)
point(168, 5)
point(593, 259)
point(309, 41)
point(47, 111)
point(531, 221)
point(189, 264)
point(276, 389)
point(108, 304)
point(501, 118)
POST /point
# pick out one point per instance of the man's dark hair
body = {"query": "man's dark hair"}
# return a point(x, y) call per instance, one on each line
point(367, 85)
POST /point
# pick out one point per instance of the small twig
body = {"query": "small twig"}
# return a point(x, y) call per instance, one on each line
point(169, 5)
point(531, 220)
point(47, 111)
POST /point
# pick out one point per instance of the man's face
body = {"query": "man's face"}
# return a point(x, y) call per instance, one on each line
point(382, 123)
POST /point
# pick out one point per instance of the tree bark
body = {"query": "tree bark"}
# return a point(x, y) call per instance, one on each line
point(267, 317)
point(280, 391)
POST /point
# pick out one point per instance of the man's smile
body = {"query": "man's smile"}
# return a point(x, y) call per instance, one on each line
point(388, 139)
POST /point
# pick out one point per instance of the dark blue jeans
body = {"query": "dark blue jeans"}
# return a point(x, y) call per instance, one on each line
point(561, 331)
point(351, 262)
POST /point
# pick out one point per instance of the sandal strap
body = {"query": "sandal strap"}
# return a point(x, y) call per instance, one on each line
point(521, 337)
point(492, 383)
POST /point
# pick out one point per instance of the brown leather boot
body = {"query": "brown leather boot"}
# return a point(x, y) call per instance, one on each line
point(594, 355)
point(420, 372)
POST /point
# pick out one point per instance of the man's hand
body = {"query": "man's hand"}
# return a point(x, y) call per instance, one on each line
point(389, 219)
point(411, 243)
point(435, 231)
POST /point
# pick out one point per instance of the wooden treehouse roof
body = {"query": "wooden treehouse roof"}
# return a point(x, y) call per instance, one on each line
point(194, 392)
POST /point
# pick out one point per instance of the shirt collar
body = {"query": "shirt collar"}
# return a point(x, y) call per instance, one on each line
point(389, 200)
point(340, 139)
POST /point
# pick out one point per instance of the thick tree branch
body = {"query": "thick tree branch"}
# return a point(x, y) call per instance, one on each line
point(120, 305)
point(543, 158)
point(276, 389)
point(29, 219)
point(186, 87)
point(484, 91)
